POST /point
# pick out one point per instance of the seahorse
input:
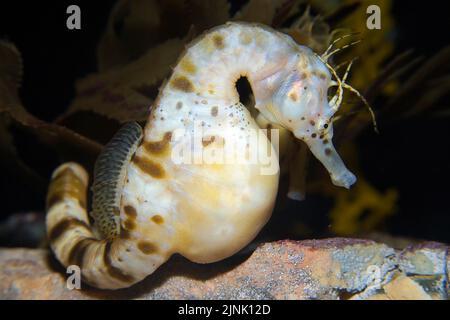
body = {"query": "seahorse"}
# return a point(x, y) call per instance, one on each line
point(148, 205)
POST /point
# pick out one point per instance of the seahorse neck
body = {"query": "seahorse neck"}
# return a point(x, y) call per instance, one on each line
point(211, 66)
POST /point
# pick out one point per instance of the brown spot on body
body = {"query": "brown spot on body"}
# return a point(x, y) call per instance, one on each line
point(179, 105)
point(314, 135)
point(113, 271)
point(312, 122)
point(245, 38)
point(149, 167)
point(293, 96)
point(327, 151)
point(325, 141)
point(304, 63)
point(130, 211)
point(65, 225)
point(129, 224)
point(218, 41)
point(260, 38)
point(187, 66)
point(214, 111)
point(157, 219)
point(158, 147)
point(182, 83)
point(320, 75)
point(206, 141)
point(147, 247)
point(76, 255)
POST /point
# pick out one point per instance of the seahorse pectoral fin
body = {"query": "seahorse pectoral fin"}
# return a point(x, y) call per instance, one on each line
point(325, 152)
point(109, 177)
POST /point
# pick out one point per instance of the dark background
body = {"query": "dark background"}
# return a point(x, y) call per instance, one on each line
point(412, 156)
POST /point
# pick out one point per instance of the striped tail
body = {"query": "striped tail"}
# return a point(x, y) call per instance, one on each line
point(108, 264)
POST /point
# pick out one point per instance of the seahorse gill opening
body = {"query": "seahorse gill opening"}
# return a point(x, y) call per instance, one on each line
point(244, 90)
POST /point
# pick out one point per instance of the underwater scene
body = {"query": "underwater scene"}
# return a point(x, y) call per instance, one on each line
point(224, 150)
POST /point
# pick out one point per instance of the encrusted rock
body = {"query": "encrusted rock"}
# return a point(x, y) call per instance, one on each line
point(314, 269)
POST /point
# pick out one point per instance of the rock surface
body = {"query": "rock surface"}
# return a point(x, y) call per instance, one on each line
point(315, 269)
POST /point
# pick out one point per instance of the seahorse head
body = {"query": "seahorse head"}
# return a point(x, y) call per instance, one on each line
point(301, 104)
point(302, 97)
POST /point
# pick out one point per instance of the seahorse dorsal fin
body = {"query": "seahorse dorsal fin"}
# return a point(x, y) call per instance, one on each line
point(109, 177)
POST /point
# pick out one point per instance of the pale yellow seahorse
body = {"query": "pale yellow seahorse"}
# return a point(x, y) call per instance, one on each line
point(149, 202)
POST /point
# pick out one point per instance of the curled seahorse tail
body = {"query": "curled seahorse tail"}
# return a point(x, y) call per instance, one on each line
point(74, 241)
